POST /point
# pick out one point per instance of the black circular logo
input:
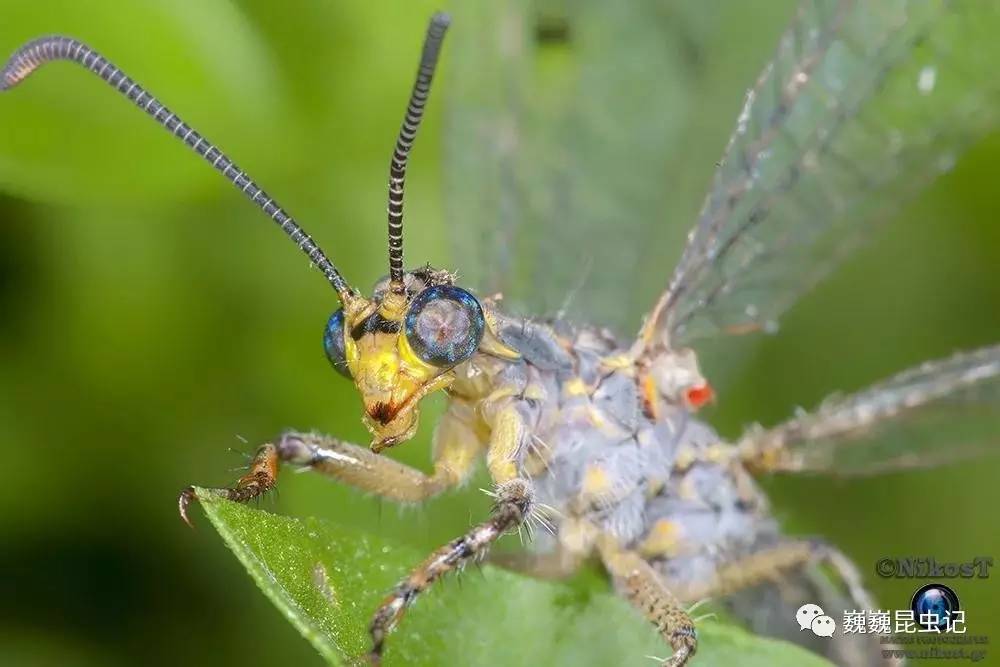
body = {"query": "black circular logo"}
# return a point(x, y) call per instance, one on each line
point(933, 606)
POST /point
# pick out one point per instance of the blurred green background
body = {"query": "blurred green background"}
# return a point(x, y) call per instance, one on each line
point(155, 326)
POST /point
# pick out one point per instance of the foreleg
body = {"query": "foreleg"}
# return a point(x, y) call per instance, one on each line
point(514, 502)
point(352, 465)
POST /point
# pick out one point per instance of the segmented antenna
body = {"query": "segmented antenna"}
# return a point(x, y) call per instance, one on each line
point(36, 53)
point(397, 168)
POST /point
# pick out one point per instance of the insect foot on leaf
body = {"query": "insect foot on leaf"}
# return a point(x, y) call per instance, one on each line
point(513, 501)
point(259, 479)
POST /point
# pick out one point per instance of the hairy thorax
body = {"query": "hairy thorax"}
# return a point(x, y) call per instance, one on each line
point(654, 478)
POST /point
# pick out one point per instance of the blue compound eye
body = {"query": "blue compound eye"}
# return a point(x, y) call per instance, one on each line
point(444, 325)
point(333, 343)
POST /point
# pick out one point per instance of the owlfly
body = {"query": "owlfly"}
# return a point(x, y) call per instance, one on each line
point(595, 436)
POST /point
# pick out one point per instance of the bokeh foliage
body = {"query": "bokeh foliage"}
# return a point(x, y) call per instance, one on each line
point(151, 319)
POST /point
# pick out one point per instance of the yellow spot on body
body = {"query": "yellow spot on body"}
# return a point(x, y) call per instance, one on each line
point(617, 362)
point(664, 539)
point(575, 387)
point(717, 453)
point(596, 482)
point(595, 417)
point(686, 457)
point(535, 391)
point(649, 396)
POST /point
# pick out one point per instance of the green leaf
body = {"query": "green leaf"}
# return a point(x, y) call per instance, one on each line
point(327, 580)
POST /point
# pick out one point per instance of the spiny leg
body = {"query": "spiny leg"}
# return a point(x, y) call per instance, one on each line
point(351, 464)
point(781, 563)
point(879, 429)
point(848, 574)
point(258, 480)
point(641, 585)
point(766, 565)
point(513, 504)
point(771, 563)
point(385, 477)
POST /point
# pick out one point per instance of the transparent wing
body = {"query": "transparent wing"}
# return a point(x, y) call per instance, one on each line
point(940, 412)
point(861, 106)
point(562, 128)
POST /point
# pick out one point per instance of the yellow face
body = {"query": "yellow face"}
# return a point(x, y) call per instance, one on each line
point(398, 348)
point(387, 373)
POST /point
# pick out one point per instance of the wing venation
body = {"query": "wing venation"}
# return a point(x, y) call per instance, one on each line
point(862, 105)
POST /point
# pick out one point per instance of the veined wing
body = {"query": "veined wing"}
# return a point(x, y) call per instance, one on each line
point(939, 412)
point(563, 128)
point(862, 105)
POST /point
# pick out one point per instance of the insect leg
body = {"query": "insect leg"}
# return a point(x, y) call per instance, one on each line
point(896, 424)
point(258, 480)
point(771, 563)
point(848, 573)
point(513, 504)
point(761, 566)
point(641, 585)
point(798, 570)
point(363, 469)
point(355, 466)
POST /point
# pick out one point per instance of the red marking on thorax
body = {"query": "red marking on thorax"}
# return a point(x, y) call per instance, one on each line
point(699, 395)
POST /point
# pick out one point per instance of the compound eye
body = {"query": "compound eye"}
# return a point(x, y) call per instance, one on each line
point(444, 325)
point(333, 343)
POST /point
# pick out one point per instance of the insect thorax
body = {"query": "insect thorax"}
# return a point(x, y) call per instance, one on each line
point(662, 483)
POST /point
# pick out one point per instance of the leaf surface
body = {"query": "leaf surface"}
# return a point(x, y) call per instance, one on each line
point(327, 580)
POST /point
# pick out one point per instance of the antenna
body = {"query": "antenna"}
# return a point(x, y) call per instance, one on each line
point(404, 142)
point(36, 53)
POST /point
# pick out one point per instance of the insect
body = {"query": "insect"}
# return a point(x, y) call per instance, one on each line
point(596, 437)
